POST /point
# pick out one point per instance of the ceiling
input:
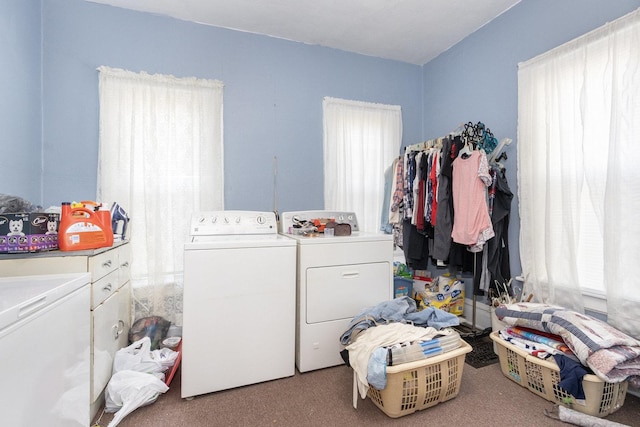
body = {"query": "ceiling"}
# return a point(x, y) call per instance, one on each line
point(413, 31)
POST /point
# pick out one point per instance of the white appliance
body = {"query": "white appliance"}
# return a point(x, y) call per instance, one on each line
point(337, 277)
point(44, 348)
point(239, 302)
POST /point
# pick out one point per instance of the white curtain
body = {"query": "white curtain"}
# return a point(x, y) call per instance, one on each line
point(161, 159)
point(360, 141)
point(579, 171)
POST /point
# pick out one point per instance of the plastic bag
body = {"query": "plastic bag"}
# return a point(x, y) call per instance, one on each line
point(165, 357)
point(137, 357)
point(129, 390)
point(154, 327)
point(448, 297)
point(16, 204)
point(138, 378)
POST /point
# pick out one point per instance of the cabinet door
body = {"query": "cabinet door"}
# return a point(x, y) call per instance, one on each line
point(124, 259)
point(110, 329)
point(343, 291)
point(124, 314)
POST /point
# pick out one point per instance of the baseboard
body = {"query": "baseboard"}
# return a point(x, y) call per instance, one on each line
point(483, 314)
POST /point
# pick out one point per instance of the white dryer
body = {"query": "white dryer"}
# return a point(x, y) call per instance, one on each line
point(337, 277)
point(239, 302)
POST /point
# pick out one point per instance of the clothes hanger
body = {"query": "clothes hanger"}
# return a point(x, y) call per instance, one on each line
point(466, 150)
point(469, 135)
point(497, 153)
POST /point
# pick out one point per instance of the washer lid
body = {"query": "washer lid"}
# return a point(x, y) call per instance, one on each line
point(237, 241)
point(321, 239)
point(21, 296)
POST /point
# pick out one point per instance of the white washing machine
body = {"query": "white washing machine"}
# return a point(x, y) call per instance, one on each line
point(239, 302)
point(337, 277)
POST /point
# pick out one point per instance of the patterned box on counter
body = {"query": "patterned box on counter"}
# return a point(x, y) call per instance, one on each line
point(13, 232)
point(43, 231)
point(4, 225)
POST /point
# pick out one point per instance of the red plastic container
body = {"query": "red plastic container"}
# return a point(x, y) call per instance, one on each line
point(82, 228)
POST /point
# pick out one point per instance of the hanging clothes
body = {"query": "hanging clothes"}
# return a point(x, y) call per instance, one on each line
point(418, 192)
point(414, 244)
point(385, 223)
point(390, 217)
point(472, 225)
point(498, 262)
point(433, 192)
point(395, 208)
point(444, 215)
point(409, 175)
point(445, 212)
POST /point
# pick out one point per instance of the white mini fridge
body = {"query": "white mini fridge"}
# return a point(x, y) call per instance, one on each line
point(44, 349)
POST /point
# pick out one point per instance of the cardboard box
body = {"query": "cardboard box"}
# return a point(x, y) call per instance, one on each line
point(14, 228)
point(4, 243)
point(43, 231)
point(402, 287)
point(28, 232)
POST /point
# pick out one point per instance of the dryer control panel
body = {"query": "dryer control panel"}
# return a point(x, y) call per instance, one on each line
point(228, 223)
point(289, 220)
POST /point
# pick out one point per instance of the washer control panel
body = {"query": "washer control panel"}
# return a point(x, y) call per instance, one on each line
point(224, 223)
point(289, 220)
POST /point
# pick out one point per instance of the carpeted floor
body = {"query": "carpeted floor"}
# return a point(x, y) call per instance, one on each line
point(324, 398)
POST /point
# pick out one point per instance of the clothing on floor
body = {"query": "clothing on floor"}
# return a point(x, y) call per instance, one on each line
point(400, 310)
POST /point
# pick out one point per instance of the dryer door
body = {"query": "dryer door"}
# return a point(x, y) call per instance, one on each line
point(341, 292)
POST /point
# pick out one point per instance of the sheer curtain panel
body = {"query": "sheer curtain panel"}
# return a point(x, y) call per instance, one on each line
point(361, 140)
point(579, 172)
point(161, 159)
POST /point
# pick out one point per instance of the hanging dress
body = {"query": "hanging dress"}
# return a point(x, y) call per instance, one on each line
point(471, 224)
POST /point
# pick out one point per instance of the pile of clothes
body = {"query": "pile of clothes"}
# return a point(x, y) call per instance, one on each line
point(375, 331)
point(612, 355)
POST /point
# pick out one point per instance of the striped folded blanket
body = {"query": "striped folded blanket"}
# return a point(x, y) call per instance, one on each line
point(541, 338)
point(611, 354)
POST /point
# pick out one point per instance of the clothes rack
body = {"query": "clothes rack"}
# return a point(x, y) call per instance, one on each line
point(426, 145)
point(475, 136)
point(435, 142)
point(492, 158)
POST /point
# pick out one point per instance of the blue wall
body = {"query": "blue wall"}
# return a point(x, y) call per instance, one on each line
point(20, 83)
point(273, 91)
point(477, 79)
point(272, 97)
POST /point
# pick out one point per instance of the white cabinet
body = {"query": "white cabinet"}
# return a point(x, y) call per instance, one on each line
point(110, 300)
point(110, 333)
point(111, 314)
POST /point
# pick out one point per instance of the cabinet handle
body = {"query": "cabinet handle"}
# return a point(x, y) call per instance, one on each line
point(118, 329)
point(126, 264)
point(29, 307)
point(350, 274)
point(108, 287)
point(106, 264)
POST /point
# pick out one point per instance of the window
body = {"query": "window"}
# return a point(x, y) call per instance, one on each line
point(360, 141)
point(578, 171)
point(160, 158)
